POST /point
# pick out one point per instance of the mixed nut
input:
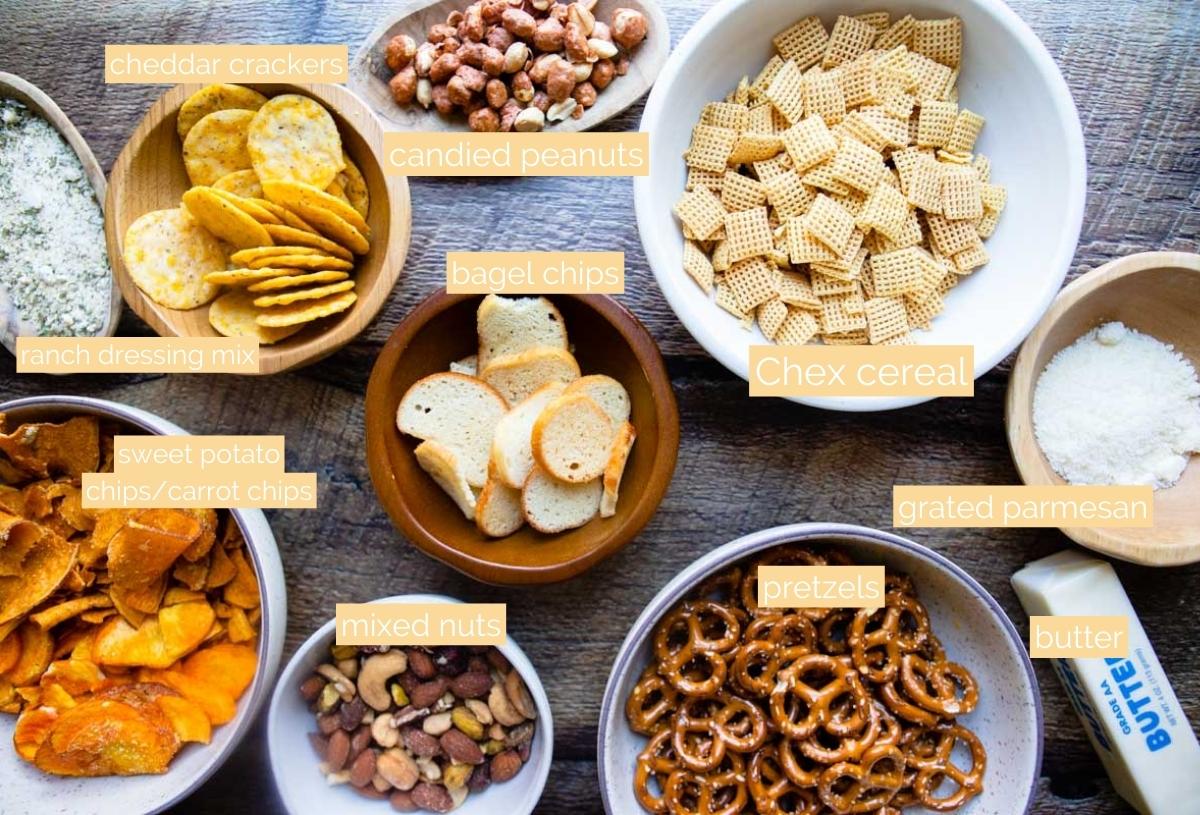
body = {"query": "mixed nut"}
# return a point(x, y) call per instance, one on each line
point(515, 64)
point(424, 728)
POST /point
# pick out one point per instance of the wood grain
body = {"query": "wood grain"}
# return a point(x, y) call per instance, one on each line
point(744, 465)
point(1157, 293)
point(369, 74)
point(149, 175)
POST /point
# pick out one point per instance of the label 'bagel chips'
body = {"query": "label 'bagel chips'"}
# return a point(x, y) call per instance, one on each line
point(275, 199)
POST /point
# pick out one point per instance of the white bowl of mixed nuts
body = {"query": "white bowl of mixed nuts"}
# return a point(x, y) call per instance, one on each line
point(428, 730)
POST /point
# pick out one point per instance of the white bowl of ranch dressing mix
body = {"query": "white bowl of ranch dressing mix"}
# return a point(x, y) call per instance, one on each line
point(55, 278)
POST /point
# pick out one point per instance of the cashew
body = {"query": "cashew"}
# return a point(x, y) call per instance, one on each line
point(374, 674)
point(349, 667)
point(518, 694)
point(437, 724)
point(385, 732)
point(498, 702)
point(479, 709)
point(398, 769)
point(339, 680)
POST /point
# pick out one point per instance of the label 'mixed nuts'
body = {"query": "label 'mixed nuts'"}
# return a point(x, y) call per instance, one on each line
point(516, 154)
point(427, 624)
point(535, 273)
point(855, 370)
point(133, 355)
point(820, 586)
point(155, 64)
point(928, 507)
point(1079, 637)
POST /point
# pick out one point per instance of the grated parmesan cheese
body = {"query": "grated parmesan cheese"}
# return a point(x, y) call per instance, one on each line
point(54, 271)
point(1118, 407)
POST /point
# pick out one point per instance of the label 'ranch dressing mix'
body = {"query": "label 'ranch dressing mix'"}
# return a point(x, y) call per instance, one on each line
point(1127, 706)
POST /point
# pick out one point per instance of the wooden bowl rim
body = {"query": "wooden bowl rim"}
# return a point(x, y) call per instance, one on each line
point(666, 410)
point(347, 107)
point(1018, 404)
point(49, 110)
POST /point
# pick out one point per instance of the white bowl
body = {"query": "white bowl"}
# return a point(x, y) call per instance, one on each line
point(28, 790)
point(294, 764)
point(1033, 137)
point(971, 625)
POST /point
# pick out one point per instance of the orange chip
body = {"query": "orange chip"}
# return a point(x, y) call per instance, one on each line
point(188, 719)
point(71, 448)
point(148, 544)
point(33, 726)
point(217, 705)
point(243, 591)
point(37, 649)
point(10, 652)
point(44, 569)
point(228, 666)
point(159, 641)
point(17, 537)
point(105, 737)
point(222, 569)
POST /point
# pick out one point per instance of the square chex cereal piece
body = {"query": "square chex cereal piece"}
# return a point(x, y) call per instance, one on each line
point(705, 178)
point(752, 282)
point(898, 272)
point(786, 92)
point(798, 328)
point(788, 196)
point(711, 147)
point(823, 96)
point(940, 40)
point(809, 142)
point(803, 247)
point(878, 20)
point(829, 222)
point(753, 147)
point(698, 265)
point(967, 127)
point(925, 185)
point(857, 166)
point(849, 39)
point(887, 317)
point(961, 193)
point(886, 210)
point(796, 290)
point(771, 315)
point(836, 318)
point(701, 212)
point(935, 123)
point(727, 115)
point(749, 234)
point(899, 33)
point(951, 237)
point(804, 43)
point(739, 192)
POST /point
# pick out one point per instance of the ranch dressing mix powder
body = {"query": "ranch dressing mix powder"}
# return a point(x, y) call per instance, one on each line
point(54, 273)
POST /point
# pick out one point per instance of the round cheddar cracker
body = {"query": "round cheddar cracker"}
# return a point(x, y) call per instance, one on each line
point(216, 146)
point(234, 315)
point(223, 219)
point(212, 98)
point(315, 263)
point(287, 234)
point(355, 187)
point(306, 311)
point(294, 138)
point(168, 253)
point(243, 183)
point(303, 198)
point(299, 295)
point(296, 278)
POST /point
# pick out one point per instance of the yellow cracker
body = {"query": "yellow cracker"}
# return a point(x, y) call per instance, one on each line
point(823, 96)
point(167, 254)
point(333, 226)
point(752, 282)
point(245, 277)
point(701, 212)
point(233, 315)
point(809, 143)
point(749, 234)
point(849, 39)
point(739, 192)
point(315, 293)
point(317, 263)
point(771, 315)
point(242, 182)
point(306, 312)
point(293, 138)
point(698, 265)
point(245, 256)
point(878, 20)
point(786, 92)
point(248, 206)
point(216, 146)
point(804, 43)
point(798, 328)
point(899, 33)
point(291, 235)
point(711, 147)
point(223, 219)
point(285, 215)
point(961, 193)
point(355, 186)
point(296, 277)
point(795, 289)
point(212, 98)
point(303, 198)
point(940, 40)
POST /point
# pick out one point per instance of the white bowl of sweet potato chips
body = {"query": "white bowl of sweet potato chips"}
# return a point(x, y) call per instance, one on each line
point(93, 689)
point(992, 249)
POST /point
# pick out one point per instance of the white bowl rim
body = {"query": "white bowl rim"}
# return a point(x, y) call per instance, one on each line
point(669, 281)
point(756, 541)
point(510, 649)
point(256, 531)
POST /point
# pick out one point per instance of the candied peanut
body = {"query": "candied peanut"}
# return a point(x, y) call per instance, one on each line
point(508, 121)
point(404, 86)
point(441, 100)
point(499, 38)
point(585, 94)
point(629, 28)
point(560, 81)
point(497, 93)
point(550, 36)
point(493, 61)
point(576, 43)
point(438, 33)
point(475, 79)
point(522, 87)
point(471, 28)
point(603, 73)
point(519, 23)
point(400, 52)
point(446, 66)
point(460, 94)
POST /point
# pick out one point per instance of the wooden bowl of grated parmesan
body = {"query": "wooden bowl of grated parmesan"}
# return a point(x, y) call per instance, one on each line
point(1158, 295)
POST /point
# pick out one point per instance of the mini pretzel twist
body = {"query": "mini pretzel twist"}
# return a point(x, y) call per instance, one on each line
point(773, 791)
point(654, 763)
point(863, 787)
point(719, 792)
point(946, 680)
point(968, 783)
point(651, 700)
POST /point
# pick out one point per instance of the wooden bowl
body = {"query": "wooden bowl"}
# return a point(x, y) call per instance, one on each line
point(369, 74)
point(149, 175)
point(609, 340)
point(14, 87)
point(1157, 293)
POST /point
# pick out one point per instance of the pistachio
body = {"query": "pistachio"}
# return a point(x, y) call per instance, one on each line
point(494, 747)
point(437, 724)
point(456, 776)
point(515, 688)
point(399, 696)
point(465, 721)
point(328, 699)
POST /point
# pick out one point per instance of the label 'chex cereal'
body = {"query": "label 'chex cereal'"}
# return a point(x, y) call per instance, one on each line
point(877, 370)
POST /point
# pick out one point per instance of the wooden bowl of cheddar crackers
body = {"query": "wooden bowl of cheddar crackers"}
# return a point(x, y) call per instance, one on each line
point(257, 210)
point(440, 335)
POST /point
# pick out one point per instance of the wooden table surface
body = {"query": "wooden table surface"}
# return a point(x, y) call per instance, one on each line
point(743, 465)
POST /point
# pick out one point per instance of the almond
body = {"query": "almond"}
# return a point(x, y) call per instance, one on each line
point(433, 797)
point(338, 750)
point(461, 748)
point(505, 766)
point(363, 768)
point(472, 685)
point(426, 694)
point(421, 743)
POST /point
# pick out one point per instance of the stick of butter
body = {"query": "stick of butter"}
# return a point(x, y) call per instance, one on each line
point(1127, 706)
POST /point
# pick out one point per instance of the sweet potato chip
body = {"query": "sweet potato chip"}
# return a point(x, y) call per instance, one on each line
point(136, 601)
point(37, 649)
point(228, 666)
point(71, 448)
point(159, 641)
point(105, 737)
point(217, 705)
point(11, 499)
point(54, 615)
point(191, 575)
point(17, 538)
point(108, 524)
point(33, 726)
point(75, 676)
point(222, 570)
point(10, 652)
point(72, 511)
point(200, 547)
point(177, 594)
point(240, 629)
point(188, 719)
point(57, 697)
point(44, 569)
point(243, 591)
point(148, 544)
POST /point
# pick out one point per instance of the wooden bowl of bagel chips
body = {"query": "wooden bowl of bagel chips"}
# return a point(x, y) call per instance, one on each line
point(151, 175)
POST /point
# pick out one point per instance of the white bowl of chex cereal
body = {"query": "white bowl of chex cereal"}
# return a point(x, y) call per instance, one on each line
point(854, 172)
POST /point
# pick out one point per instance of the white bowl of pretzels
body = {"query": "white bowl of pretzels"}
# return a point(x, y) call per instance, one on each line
point(934, 144)
point(927, 704)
